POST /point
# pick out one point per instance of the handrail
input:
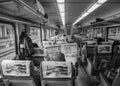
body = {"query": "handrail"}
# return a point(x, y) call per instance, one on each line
point(5, 54)
point(6, 40)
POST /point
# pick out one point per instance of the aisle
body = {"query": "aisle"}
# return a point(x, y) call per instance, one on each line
point(82, 79)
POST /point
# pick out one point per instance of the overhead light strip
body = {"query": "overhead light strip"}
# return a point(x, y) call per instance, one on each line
point(61, 7)
point(91, 9)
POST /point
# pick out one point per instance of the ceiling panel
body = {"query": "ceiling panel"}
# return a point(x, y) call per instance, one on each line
point(51, 9)
point(74, 8)
point(105, 11)
point(84, 1)
point(47, 1)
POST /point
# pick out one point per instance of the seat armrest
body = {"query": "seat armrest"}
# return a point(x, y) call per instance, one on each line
point(103, 80)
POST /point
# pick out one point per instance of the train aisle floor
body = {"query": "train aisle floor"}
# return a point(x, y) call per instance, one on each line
point(83, 79)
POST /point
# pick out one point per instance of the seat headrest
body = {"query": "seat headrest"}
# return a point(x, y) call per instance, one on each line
point(15, 68)
point(106, 43)
point(47, 43)
point(104, 48)
point(52, 49)
point(56, 69)
point(71, 52)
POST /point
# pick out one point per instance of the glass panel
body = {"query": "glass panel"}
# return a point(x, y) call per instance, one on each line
point(7, 42)
point(35, 35)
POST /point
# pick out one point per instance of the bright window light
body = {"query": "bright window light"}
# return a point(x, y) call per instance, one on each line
point(95, 6)
point(101, 1)
point(60, 1)
point(61, 7)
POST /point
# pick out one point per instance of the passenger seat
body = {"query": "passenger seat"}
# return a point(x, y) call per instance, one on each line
point(19, 73)
point(102, 57)
point(57, 73)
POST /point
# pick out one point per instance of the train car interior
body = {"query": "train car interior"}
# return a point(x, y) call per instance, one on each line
point(59, 42)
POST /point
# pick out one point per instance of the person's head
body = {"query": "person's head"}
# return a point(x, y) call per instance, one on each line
point(35, 45)
point(99, 40)
point(23, 35)
point(58, 56)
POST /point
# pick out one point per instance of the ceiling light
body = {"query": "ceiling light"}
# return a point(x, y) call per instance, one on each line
point(85, 14)
point(101, 1)
point(63, 20)
point(80, 18)
point(62, 14)
point(95, 6)
point(61, 7)
point(91, 9)
point(60, 1)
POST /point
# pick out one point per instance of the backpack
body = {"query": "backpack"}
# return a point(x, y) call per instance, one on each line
point(26, 49)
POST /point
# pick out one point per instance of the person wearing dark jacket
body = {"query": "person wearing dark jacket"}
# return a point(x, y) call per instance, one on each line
point(26, 48)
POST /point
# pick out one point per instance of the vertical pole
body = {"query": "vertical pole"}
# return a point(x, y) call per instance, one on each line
point(15, 26)
point(107, 33)
point(41, 33)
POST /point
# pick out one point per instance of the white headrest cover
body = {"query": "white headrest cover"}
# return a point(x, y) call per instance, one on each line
point(104, 48)
point(56, 69)
point(16, 68)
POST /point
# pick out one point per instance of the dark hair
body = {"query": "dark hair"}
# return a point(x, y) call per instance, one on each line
point(99, 40)
point(35, 45)
point(22, 36)
point(58, 56)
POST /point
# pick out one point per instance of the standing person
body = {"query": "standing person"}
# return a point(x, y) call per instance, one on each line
point(26, 48)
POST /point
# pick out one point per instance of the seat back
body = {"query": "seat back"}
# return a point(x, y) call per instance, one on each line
point(106, 43)
point(18, 73)
point(50, 50)
point(104, 81)
point(55, 72)
point(103, 54)
point(90, 51)
point(116, 57)
point(70, 51)
point(38, 56)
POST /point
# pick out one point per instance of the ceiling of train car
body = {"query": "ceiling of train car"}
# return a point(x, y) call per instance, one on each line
point(73, 9)
point(51, 9)
point(107, 11)
point(13, 8)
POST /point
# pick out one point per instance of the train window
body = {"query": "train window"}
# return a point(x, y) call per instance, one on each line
point(35, 35)
point(114, 33)
point(7, 42)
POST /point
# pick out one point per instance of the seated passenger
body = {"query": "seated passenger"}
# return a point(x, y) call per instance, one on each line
point(26, 48)
point(115, 43)
point(99, 40)
point(35, 45)
point(84, 54)
point(58, 56)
